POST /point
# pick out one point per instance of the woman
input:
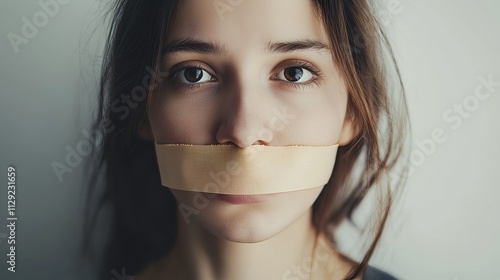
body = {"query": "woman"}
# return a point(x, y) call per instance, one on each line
point(202, 72)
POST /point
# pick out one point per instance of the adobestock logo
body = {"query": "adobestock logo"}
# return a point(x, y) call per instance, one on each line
point(453, 117)
point(309, 265)
point(121, 275)
point(389, 9)
point(223, 6)
point(39, 19)
point(124, 104)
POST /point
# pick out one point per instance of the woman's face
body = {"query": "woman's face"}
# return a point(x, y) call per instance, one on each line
point(246, 73)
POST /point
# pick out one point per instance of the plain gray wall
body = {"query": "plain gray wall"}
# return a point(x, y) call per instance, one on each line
point(445, 227)
point(47, 88)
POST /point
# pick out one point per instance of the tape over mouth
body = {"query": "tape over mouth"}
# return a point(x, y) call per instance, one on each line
point(257, 169)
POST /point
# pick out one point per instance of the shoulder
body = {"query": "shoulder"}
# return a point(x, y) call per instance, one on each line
point(372, 273)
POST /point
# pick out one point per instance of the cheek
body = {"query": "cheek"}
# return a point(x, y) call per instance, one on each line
point(320, 123)
point(180, 120)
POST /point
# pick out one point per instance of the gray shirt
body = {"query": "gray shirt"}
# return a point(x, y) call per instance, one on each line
point(373, 273)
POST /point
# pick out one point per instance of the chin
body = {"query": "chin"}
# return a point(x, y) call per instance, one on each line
point(252, 220)
point(246, 223)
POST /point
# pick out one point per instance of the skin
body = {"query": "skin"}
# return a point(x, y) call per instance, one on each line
point(235, 95)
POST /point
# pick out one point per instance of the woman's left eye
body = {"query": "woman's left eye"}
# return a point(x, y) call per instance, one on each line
point(295, 75)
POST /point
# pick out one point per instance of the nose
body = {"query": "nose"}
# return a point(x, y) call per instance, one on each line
point(243, 117)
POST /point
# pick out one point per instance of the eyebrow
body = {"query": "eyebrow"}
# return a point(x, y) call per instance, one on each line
point(299, 45)
point(191, 44)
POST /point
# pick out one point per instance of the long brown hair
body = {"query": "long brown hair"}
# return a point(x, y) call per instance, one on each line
point(144, 222)
point(359, 47)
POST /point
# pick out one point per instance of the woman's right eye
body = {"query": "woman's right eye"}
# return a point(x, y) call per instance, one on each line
point(193, 75)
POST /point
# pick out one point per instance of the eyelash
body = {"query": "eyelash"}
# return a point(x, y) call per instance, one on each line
point(318, 76)
point(184, 86)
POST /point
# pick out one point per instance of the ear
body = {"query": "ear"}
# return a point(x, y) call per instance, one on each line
point(350, 130)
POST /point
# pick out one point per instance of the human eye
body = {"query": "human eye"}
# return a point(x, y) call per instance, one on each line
point(298, 74)
point(190, 76)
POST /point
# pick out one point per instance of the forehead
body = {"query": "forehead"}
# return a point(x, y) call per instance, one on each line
point(240, 23)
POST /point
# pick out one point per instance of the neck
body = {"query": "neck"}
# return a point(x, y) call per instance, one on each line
point(206, 256)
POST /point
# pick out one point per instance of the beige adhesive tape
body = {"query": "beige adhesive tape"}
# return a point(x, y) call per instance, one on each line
point(258, 169)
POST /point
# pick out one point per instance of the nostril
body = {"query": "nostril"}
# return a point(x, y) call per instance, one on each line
point(260, 142)
point(243, 128)
point(224, 136)
point(233, 141)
